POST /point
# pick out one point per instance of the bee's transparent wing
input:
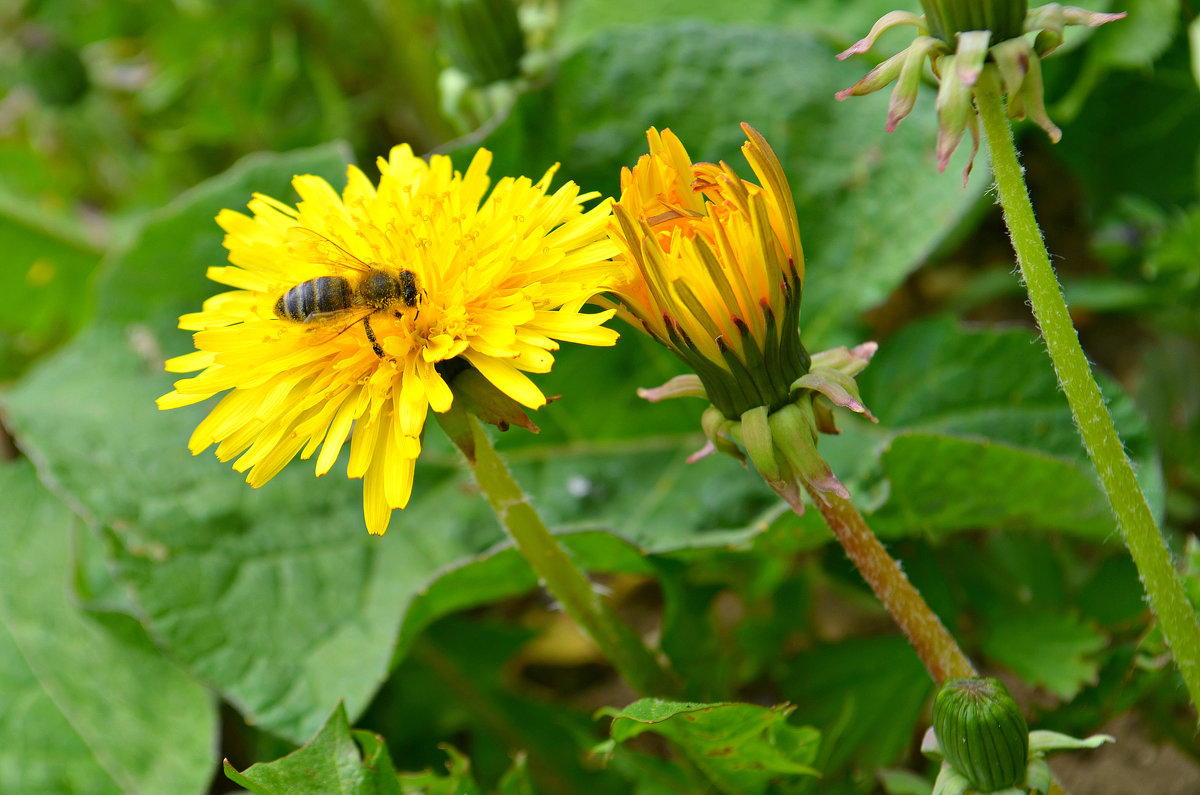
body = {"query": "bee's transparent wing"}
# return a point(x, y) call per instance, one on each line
point(331, 325)
point(318, 248)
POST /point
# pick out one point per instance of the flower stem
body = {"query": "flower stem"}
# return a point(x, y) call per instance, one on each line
point(1142, 537)
point(552, 563)
point(925, 632)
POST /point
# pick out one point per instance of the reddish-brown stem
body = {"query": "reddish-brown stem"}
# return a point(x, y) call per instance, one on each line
point(925, 632)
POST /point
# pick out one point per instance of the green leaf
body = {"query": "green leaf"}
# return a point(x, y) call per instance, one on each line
point(43, 284)
point(91, 705)
point(651, 775)
point(161, 275)
point(943, 484)
point(1050, 649)
point(872, 206)
point(903, 782)
point(501, 573)
point(278, 598)
point(1112, 595)
point(329, 762)
point(1048, 742)
point(481, 679)
point(645, 490)
point(1124, 111)
point(1194, 45)
point(458, 780)
point(974, 433)
point(740, 747)
point(1140, 38)
point(516, 780)
point(843, 22)
point(1191, 570)
point(864, 694)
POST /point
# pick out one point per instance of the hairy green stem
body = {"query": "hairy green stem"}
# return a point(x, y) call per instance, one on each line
point(552, 563)
point(925, 632)
point(1142, 537)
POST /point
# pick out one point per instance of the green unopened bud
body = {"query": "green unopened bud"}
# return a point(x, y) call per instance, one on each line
point(483, 38)
point(718, 278)
point(982, 733)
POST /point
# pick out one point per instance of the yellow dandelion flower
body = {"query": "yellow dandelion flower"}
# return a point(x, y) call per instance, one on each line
point(711, 266)
point(352, 314)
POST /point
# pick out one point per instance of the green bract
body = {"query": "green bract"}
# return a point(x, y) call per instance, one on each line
point(947, 18)
point(982, 732)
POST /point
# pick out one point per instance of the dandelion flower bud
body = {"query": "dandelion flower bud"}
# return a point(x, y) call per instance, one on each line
point(982, 733)
point(711, 266)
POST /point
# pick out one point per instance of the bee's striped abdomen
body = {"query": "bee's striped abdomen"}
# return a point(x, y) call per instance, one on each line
point(315, 296)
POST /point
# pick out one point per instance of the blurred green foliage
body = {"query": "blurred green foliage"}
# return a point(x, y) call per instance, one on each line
point(140, 585)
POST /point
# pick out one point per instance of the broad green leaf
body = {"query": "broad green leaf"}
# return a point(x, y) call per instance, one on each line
point(1050, 649)
point(740, 747)
point(1125, 110)
point(974, 433)
point(43, 284)
point(645, 491)
point(501, 573)
point(90, 705)
point(278, 598)
point(872, 206)
point(865, 695)
point(702, 591)
point(841, 21)
point(1113, 594)
point(1140, 38)
point(651, 775)
point(943, 484)
point(1025, 594)
point(330, 762)
point(162, 274)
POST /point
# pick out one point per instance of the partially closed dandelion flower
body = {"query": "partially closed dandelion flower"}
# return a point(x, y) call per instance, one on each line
point(353, 314)
point(714, 270)
point(712, 267)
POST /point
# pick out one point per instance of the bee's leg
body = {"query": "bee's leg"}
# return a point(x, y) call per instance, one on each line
point(371, 336)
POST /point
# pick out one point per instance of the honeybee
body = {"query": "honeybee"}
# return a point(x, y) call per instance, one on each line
point(358, 295)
